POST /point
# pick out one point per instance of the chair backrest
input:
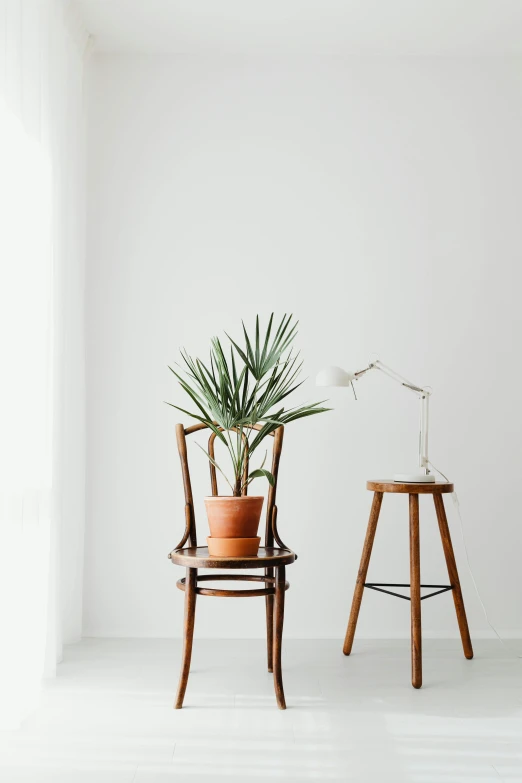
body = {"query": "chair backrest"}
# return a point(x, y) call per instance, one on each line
point(190, 535)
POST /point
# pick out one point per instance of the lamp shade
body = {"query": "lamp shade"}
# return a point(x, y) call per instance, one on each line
point(334, 376)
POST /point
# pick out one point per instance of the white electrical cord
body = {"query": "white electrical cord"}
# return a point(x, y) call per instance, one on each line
point(456, 503)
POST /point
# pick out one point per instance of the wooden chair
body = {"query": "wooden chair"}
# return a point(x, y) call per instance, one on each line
point(272, 559)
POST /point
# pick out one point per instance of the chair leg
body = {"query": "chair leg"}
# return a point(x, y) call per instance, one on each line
point(279, 611)
point(188, 634)
point(415, 594)
point(363, 570)
point(453, 576)
point(269, 605)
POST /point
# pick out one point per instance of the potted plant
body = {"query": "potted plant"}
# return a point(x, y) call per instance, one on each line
point(232, 395)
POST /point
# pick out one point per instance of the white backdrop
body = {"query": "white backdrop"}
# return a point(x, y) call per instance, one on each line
point(377, 200)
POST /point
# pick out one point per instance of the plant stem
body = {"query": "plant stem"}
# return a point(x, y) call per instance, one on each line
point(237, 487)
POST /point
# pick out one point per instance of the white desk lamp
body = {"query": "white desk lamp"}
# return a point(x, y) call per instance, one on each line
point(335, 376)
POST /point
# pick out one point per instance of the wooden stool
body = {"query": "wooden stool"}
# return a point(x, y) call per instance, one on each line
point(436, 489)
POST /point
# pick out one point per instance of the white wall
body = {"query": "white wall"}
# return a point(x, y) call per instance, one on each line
point(380, 202)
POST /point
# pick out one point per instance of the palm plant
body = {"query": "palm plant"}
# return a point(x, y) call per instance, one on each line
point(233, 395)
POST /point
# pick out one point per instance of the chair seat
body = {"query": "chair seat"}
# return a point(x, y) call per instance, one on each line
point(198, 557)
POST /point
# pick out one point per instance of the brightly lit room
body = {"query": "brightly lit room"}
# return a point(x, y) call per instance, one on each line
point(260, 271)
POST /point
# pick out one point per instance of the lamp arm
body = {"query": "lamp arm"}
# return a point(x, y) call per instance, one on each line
point(378, 365)
point(424, 398)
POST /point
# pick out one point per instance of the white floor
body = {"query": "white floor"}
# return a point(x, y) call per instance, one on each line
point(108, 717)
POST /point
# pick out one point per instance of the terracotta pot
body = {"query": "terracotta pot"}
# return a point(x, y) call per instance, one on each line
point(233, 547)
point(230, 517)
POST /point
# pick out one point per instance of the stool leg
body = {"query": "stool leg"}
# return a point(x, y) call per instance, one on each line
point(453, 576)
point(363, 570)
point(415, 594)
point(188, 633)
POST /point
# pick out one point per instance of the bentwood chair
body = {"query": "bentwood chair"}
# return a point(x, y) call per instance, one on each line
point(271, 559)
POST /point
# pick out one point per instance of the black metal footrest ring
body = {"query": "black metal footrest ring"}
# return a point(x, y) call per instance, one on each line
point(379, 585)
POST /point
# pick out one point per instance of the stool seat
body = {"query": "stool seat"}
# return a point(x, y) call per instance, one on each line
point(388, 485)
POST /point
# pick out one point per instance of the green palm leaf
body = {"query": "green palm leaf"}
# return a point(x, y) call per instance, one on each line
point(245, 390)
